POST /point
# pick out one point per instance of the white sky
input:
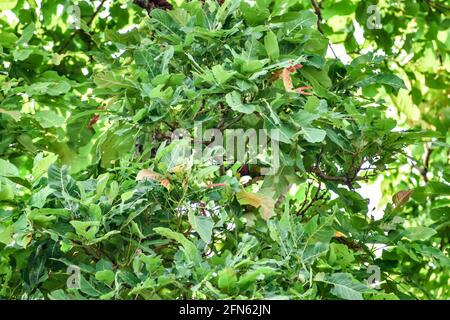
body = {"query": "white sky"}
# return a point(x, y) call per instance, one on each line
point(371, 191)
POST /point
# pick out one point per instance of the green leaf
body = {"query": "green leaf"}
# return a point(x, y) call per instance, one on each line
point(345, 286)
point(251, 276)
point(7, 169)
point(314, 251)
point(313, 135)
point(304, 19)
point(233, 99)
point(16, 115)
point(340, 255)
point(39, 198)
point(6, 234)
point(8, 39)
point(41, 165)
point(304, 118)
point(86, 229)
point(60, 181)
point(106, 276)
point(318, 78)
point(49, 119)
point(419, 233)
point(227, 280)
point(254, 11)
point(221, 75)
point(168, 54)
point(7, 4)
point(202, 225)
point(87, 288)
point(49, 83)
point(111, 81)
point(104, 237)
point(59, 295)
point(341, 8)
point(223, 230)
point(27, 34)
point(47, 214)
point(440, 213)
point(190, 250)
point(431, 189)
point(207, 172)
point(387, 79)
point(312, 104)
point(271, 45)
point(319, 232)
point(22, 54)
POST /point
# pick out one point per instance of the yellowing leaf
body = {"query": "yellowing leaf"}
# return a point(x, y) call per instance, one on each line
point(148, 174)
point(178, 168)
point(248, 198)
point(265, 204)
point(339, 234)
point(7, 4)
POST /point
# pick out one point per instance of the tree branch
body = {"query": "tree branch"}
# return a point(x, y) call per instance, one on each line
point(89, 23)
point(346, 180)
point(234, 121)
point(426, 164)
point(316, 7)
point(316, 198)
point(149, 5)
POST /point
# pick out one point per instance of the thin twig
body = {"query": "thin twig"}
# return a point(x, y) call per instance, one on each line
point(426, 164)
point(318, 13)
point(234, 121)
point(316, 198)
point(343, 179)
point(316, 7)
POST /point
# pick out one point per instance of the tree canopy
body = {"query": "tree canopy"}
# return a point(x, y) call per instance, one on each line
point(98, 201)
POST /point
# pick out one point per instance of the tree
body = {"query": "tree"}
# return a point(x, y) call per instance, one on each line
point(98, 200)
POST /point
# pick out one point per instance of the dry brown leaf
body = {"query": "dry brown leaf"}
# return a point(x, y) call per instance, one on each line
point(165, 183)
point(267, 208)
point(401, 197)
point(152, 175)
point(287, 80)
point(148, 174)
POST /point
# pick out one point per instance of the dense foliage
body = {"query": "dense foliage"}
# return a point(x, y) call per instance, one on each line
point(91, 181)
